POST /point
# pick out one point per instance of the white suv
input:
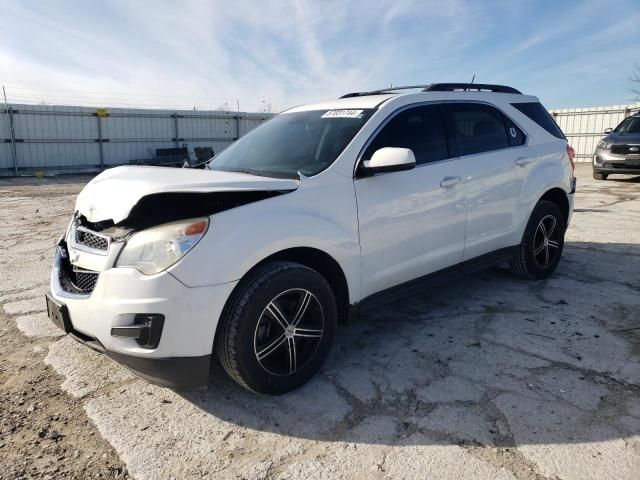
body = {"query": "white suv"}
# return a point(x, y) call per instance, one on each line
point(320, 211)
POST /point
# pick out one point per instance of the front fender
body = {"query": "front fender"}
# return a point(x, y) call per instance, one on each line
point(323, 218)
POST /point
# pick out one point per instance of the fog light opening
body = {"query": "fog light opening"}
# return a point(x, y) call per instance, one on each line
point(146, 330)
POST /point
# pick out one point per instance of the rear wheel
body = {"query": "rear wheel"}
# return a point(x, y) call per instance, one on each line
point(600, 176)
point(278, 328)
point(542, 242)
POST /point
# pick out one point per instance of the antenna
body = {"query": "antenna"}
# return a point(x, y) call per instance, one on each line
point(472, 79)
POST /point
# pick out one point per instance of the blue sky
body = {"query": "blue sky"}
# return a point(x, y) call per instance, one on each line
point(208, 53)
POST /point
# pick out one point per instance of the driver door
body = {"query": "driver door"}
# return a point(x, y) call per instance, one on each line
point(412, 222)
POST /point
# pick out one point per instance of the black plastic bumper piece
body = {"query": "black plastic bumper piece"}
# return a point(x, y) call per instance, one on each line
point(620, 170)
point(174, 372)
point(146, 330)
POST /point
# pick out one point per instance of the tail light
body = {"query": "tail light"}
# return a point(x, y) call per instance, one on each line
point(571, 153)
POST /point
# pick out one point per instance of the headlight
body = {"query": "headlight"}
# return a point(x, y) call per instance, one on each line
point(604, 145)
point(156, 249)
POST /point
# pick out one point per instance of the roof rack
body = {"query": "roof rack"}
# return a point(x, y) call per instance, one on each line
point(480, 87)
point(384, 90)
point(440, 87)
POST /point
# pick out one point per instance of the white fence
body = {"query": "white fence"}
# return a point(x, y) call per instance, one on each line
point(64, 139)
point(60, 139)
point(584, 127)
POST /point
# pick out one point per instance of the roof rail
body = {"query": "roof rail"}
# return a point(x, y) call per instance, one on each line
point(480, 87)
point(385, 90)
point(440, 87)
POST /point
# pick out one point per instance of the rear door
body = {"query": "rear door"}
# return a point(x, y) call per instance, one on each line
point(490, 149)
point(411, 222)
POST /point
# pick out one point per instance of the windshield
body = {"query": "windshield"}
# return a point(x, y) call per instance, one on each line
point(306, 142)
point(629, 125)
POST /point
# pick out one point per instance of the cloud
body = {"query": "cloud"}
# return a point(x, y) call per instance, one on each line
point(285, 52)
point(206, 53)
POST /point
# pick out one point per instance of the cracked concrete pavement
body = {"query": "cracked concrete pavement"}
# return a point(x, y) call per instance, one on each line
point(489, 377)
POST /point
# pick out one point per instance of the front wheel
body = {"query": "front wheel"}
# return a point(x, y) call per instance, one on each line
point(542, 243)
point(600, 176)
point(277, 329)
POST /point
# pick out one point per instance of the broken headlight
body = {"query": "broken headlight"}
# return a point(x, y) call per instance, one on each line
point(156, 249)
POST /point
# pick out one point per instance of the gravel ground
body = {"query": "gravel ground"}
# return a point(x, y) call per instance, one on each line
point(44, 432)
point(489, 377)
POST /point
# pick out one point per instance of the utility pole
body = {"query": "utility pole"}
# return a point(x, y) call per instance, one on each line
point(11, 132)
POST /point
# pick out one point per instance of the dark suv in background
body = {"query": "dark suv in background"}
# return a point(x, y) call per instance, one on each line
point(619, 151)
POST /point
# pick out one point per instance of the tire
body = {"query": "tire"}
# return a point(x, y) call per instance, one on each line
point(600, 176)
point(532, 261)
point(252, 343)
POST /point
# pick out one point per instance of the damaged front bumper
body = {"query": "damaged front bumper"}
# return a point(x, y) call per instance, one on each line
point(154, 324)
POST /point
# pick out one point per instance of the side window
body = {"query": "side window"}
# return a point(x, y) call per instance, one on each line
point(418, 128)
point(516, 136)
point(536, 112)
point(476, 128)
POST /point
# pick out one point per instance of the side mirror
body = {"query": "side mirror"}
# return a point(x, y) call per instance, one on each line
point(390, 159)
point(608, 130)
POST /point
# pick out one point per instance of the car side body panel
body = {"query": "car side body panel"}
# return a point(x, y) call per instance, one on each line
point(297, 219)
point(492, 188)
point(410, 225)
point(551, 169)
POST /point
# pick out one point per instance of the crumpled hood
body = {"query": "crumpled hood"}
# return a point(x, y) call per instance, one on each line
point(112, 194)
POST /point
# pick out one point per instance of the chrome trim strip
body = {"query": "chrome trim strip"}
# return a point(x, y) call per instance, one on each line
point(84, 248)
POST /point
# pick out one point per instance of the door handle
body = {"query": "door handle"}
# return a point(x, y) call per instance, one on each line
point(449, 181)
point(522, 161)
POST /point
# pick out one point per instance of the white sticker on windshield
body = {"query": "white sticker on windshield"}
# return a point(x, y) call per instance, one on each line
point(343, 114)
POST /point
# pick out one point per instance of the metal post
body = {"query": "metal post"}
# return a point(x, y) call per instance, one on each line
point(175, 128)
point(100, 147)
point(238, 120)
point(11, 133)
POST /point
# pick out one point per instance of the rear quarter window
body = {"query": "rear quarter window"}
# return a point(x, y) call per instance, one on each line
point(516, 136)
point(536, 112)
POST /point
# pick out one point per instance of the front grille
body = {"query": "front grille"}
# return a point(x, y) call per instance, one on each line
point(73, 279)
point(91, 240)
point(86, 281)
point(625, 149)
point(620, 149)
point(77, 281)
point(623, 166)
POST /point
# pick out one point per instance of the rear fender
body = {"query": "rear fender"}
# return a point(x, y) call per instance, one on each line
point(549, 171)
